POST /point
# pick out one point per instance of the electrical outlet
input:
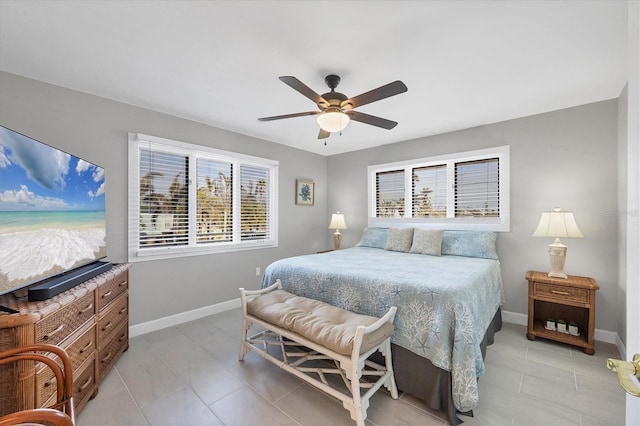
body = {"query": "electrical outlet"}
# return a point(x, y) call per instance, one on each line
point(257, 271)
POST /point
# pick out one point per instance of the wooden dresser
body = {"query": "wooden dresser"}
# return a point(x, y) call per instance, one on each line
point(90, 321)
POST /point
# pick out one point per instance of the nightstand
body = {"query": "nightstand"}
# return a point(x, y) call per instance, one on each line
point(572, 299)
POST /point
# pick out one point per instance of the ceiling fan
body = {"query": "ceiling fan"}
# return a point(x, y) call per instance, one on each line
point(336, 110)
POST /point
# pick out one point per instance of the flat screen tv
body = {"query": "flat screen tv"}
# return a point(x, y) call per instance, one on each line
point(52, 218)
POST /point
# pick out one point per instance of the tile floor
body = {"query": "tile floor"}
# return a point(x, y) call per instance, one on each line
point(189, 375)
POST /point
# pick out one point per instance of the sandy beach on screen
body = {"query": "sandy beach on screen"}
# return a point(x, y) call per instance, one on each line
point(27, 255)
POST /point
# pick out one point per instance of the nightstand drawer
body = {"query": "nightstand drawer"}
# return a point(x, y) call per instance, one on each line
point(560, 292)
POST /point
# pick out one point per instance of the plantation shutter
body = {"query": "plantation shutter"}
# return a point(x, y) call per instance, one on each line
point(214, 206)
point(390, 194)
point(163, 199)
point(429, 191)
point(477, 188)
point(254, 203)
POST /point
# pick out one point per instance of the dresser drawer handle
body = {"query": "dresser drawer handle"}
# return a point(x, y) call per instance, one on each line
point(86, 384)
point(561, 293)
point(54, 332)
point(122, 283)
point(122, 311)
point(89, 306)
point(88, 345)
point(107, 294)
point(106, 358)
point(106, 326)
point(121, 338)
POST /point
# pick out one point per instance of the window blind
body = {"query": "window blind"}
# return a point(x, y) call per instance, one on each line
point(390, 194)
point(164, 200)
point(477, 188)
point(254, 203)
point(214, 208)
point(429, 191)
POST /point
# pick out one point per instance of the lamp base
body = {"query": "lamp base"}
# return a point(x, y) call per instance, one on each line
point(557, 256)
point(336, 240)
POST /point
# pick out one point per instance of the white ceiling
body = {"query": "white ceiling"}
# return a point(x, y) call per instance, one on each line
point(466, 63)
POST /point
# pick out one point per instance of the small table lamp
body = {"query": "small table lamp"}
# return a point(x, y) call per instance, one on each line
point(557, 224)
point(337, 223)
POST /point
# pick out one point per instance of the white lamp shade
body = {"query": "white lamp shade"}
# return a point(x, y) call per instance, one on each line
point(337, 221)
point(333, 121)
point(557, 224)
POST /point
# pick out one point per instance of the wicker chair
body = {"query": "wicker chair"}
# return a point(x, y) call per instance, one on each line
point(59, 414)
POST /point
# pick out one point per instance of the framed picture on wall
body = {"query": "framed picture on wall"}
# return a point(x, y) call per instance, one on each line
point(304, 192)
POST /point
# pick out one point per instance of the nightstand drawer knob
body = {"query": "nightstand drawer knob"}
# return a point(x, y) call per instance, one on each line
point(562, 293)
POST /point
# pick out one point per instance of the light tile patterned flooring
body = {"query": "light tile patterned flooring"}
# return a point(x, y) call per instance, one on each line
point(190, 375)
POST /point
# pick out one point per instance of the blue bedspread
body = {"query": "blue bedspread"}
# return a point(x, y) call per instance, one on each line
point(445, 303)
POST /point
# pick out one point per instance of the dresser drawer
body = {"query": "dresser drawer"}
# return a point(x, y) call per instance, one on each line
point(84, 383)
point(110, 290)
point(82, 348)
point(111, 349)
point(561, 292)
point(55, 328)
point(45, 387)
point(111, 319)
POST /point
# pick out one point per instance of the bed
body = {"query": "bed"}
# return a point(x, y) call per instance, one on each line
point(448, 290)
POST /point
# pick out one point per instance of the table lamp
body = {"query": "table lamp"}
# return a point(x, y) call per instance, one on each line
point(557, 224)
point(337, 223)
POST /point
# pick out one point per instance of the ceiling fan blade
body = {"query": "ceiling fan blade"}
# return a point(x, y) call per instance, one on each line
point(323, 134)
point(299, 86)
point(372, 119)
point(381, 92)
point(297, 114)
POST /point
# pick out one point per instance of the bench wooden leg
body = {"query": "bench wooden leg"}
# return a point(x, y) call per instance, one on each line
point(357, 407)
point(243, 346)
point(390, 383)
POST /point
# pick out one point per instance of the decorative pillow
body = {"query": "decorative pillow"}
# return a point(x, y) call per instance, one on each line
point(399, 239)
point(480, 244)
point(374, 237)
point(427, 241)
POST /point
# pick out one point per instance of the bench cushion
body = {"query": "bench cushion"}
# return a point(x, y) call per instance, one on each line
point(331, 327)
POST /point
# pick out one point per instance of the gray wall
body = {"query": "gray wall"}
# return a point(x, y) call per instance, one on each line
point(96, 129)
point(566, 159)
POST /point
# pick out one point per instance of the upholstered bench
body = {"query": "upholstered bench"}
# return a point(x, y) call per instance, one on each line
point(310, 330)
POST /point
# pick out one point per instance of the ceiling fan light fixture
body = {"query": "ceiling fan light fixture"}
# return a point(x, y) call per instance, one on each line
point(333, 121)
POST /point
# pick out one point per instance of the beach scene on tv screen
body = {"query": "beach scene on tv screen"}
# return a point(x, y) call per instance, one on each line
point(52, 211)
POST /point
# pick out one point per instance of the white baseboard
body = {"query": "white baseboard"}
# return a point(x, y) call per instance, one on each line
point(601, 335)
point(170, 321)
point(514, 318)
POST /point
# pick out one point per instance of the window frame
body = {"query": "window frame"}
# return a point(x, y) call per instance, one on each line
point(498, 224)
point(138, 141)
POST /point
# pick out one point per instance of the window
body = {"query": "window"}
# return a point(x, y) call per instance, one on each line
point(468, 190)
point(187, 199)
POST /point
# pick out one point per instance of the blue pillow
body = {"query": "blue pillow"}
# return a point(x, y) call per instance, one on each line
point(374, 237)
point(480, 244)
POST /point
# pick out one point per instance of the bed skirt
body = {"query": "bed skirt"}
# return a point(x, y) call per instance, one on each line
point(417, 376)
